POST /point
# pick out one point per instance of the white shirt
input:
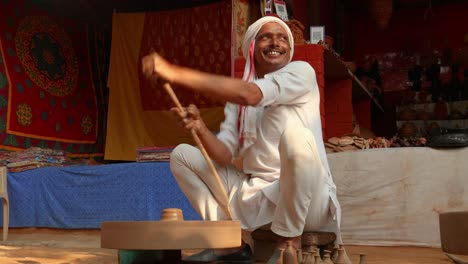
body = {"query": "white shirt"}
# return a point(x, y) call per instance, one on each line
point(294, 88)
point(290, 94)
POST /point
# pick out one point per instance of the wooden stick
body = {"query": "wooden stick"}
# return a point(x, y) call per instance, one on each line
point(457, 259)
point(364, 88)
point(224, 204)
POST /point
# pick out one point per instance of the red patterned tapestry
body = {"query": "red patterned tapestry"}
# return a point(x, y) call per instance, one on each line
point(48, 96)
point(199, 38)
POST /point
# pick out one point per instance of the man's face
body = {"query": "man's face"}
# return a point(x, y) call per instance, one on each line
point(272, 50)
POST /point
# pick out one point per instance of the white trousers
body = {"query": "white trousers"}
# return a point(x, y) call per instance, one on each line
point(303, 197)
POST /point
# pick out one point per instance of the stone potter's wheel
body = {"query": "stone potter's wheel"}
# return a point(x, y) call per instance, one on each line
point(172, 234)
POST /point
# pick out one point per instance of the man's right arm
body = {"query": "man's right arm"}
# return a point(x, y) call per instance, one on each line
point(216, 149)
point(219, 86)
point(190, 119)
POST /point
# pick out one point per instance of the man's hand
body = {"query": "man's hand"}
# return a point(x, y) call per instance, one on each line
point(190, 119)
point(154, 66)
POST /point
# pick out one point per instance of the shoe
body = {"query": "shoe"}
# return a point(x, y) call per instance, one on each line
point(243, 256)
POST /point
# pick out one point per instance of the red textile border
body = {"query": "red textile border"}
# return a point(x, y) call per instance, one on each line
point(51, 94)
point(47, 89)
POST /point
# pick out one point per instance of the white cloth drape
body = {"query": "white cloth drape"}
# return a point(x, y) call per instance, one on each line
point(394, 196)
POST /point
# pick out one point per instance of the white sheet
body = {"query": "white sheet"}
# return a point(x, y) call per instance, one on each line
point(393, 196)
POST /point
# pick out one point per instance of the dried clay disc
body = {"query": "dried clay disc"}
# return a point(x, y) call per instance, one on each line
point(349, 147)
point(334, 140)
point(344, 141)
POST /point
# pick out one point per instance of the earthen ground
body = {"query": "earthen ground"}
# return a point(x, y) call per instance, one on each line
point(59, 246)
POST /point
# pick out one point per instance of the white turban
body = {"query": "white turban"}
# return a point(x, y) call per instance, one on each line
point(249, 43)
point(250, 115)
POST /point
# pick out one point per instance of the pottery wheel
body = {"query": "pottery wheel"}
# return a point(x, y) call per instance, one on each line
point(172, 232)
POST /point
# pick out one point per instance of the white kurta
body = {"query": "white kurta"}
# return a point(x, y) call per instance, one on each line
point(286, 179)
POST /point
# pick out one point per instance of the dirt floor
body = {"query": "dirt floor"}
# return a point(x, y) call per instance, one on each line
point(54, 246)
point(57, 246)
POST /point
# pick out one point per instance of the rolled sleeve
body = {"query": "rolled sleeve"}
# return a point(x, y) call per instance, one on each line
point(269, 89)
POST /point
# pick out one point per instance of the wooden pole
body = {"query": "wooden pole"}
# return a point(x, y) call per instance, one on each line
point(224, 203)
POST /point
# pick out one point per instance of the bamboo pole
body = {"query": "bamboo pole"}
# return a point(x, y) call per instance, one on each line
point(224, 203)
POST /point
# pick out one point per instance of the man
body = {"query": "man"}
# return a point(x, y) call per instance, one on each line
point(272, 125)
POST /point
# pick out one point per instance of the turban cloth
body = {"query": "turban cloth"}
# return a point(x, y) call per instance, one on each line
point(250, 115)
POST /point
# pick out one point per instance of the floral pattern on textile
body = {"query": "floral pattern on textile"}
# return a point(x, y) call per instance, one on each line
point(49, 97)
point(47, 55)
point(46, 75)
point(24, 114)
point(241, 11)
point(198, 38)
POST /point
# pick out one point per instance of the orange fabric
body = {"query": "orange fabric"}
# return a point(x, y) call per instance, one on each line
point(129, 126)
point(198, 38)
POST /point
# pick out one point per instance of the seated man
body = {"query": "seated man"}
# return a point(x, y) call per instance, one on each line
point(272, 125)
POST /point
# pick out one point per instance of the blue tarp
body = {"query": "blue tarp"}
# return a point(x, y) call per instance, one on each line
point(85, 196)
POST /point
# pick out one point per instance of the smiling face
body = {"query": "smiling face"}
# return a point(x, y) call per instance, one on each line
point(272, 49)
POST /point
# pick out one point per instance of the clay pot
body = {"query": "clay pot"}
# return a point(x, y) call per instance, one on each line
point(327, 257)
point(433, 128)
point(455, 114)
point(362, 258)
point(407, 114)
point(440, 110)
point(408, 129)
point(423, 115)
point(408, 97)
point(423, 96)
point(172, 214)
point(341, 256)
point(289, 254)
